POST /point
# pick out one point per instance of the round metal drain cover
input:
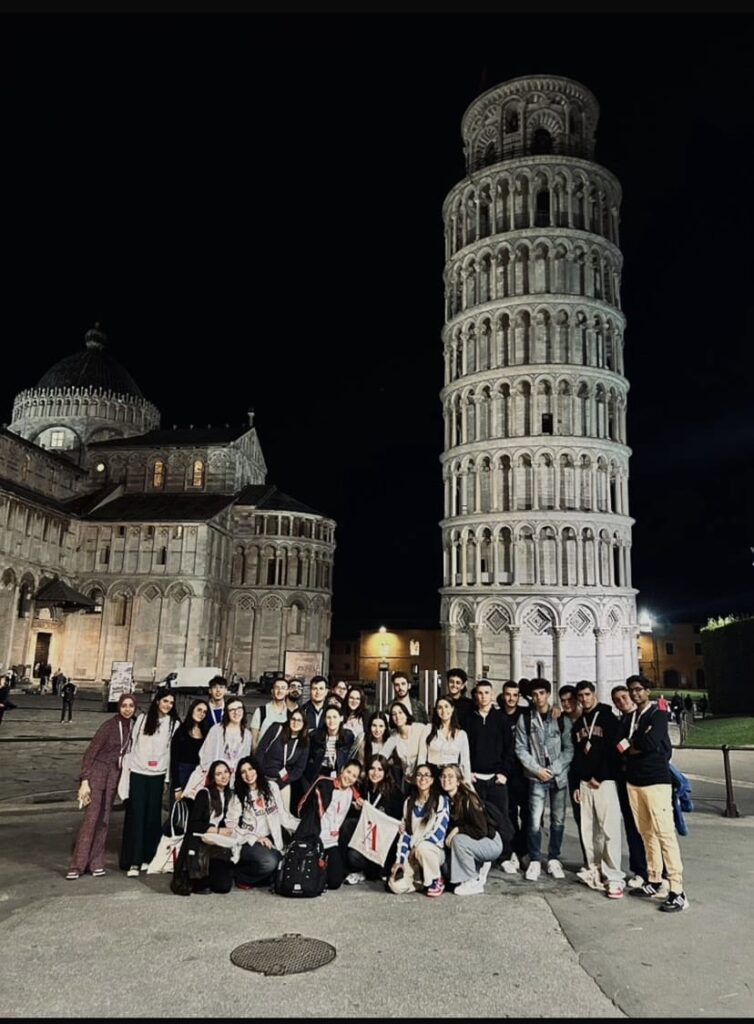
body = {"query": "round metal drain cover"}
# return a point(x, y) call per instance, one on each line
point(289, 954)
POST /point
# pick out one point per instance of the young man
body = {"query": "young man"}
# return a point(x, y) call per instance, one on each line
point(570, 707)
point(295, 690)
point(314, 708)
point(595, 735)
point(274, 711)
point(646, 748)
point(544, 748)
point(491, 752)
point(218, 689)
point(455, 686)
point(401, 693)
point(518, 784)
point(637, 858)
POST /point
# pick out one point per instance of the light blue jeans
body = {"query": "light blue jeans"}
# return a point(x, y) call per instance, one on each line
point(539, 792)
point(467, 856)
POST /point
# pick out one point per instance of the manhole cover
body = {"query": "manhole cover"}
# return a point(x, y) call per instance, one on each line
point(289, 954)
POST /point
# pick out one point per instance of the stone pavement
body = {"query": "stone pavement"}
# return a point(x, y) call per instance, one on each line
point(115, 947)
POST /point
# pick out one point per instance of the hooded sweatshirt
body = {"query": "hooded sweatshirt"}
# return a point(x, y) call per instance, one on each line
point(595, 735)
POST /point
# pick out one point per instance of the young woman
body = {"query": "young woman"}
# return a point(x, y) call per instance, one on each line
point(323, 811)
point(376, 735)
point(446, 742)
point(229, 741)
point(100, 769)
point(405, 741)
point(150, 758)
point(356, 715)
point(186, 744)
point(201, 867)
point(473, 840)
point(421, 849)
point(283, 754)
point(381, 791)
point(330, 747)
point(257, 815)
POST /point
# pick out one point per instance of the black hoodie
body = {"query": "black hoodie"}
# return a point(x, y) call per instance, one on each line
point(595, 757)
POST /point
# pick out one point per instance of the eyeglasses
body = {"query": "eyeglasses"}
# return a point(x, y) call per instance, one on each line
point(424, 775)
point(637, 689)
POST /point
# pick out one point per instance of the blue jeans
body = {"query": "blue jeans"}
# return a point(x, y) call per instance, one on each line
point(538, 795)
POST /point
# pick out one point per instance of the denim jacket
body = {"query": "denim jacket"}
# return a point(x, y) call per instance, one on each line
point(545, 736)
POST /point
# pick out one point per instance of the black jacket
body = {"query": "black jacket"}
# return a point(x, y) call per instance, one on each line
point(490, 743)
point(646, 760)
point(595, 757)
point(317, 749)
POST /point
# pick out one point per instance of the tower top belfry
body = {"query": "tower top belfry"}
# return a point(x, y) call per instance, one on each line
point(535, 115)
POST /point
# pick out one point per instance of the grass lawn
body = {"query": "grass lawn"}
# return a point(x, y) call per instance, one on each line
point(713, 732)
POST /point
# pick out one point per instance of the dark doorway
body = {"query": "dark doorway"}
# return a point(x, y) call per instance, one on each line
point(41, 650)
point(671, 679)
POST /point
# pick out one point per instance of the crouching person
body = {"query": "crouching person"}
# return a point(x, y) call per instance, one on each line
point(473, 839)
point(201, 866)
point(257, 815)
point(421, 850)
point(322, 810)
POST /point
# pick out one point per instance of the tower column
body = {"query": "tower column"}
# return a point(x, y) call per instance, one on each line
point(515, 639)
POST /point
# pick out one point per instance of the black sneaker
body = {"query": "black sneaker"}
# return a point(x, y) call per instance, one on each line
point(647, 890)
point(676, 901)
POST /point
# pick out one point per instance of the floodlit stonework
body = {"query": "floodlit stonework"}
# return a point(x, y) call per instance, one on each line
point(536, 530)
point(187, 556)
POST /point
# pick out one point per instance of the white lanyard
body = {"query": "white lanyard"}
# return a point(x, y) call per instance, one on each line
point(635, 720)
point(591, 727)
point(285, 752)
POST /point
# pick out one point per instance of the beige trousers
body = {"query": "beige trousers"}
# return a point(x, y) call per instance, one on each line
point(421, 868)
point(601, 828)
point(652, 808)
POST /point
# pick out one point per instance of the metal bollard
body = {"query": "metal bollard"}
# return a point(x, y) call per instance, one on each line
point(731, 811)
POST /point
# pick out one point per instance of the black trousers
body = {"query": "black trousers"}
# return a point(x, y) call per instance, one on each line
point(69, 705)
point(496, 794)
point(518, 811)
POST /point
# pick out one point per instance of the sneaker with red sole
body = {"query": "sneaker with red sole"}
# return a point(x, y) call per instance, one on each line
point(437, 888)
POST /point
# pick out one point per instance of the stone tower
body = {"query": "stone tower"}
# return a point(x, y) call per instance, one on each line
point(536, 532)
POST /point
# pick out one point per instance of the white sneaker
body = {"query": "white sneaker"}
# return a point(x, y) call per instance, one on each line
point(636, 882)
point(662, 890)
point(145, 866)
point(511, 866)
point(484, 871)
point(471, 888)
point(133, 872)
point(533, 871)
point(355, 877)
point(555, 868)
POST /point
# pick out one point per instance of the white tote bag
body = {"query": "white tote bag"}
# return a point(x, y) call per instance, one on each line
point(374, 833)
point(124, 779)
point(170, 845)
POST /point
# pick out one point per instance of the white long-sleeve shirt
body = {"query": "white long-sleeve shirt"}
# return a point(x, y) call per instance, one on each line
point(448, 750)
point(407, 750)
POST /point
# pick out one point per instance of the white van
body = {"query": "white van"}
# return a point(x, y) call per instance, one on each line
point(193, 679)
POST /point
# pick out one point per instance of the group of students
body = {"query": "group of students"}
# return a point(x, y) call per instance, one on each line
point(469, 785)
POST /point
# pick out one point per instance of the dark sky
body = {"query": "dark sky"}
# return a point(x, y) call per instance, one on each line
point(252, 207)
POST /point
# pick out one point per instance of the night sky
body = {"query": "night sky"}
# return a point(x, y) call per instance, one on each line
point(251, 205)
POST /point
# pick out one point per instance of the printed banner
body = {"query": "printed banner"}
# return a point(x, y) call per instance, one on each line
point(374, 834)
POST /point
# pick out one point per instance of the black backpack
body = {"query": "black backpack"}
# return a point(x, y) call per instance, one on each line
point(303, 869)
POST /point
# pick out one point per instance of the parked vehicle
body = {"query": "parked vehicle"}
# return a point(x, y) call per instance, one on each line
point(192, 678)
point(265, 680)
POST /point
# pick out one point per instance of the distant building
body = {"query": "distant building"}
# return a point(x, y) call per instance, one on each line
point(670, 654)
point(536, 531)
point(121, 541)
point(410, 650)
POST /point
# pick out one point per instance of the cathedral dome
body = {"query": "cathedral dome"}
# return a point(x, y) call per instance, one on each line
point(93, 368)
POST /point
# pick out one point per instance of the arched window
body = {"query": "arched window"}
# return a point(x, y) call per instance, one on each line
point(542, 212)
point(541, 141)
point(197, 473)
point(158, 475)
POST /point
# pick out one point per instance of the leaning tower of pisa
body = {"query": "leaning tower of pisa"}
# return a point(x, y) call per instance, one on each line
point(536, 529)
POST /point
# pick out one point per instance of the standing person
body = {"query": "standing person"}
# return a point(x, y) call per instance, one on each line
point(455, 685)
point(207, 815)
point(218, 689)
point(571, 708)
point(490, 750)
point(150, 759)
point(323, 810)
point(377, 734)
point(275, 711)
point(258, 815)
point(314, 708)
point(472, 838)
point(6, 704)
point(100, 770)
point(380, 790)
point(405, 742)
point(338, 693)
point(518, 784)
point(421, 847)
point(356, 716)
point(330, 747)
point(295, 692)
point(57, 681)
point(446, 742)
point(186, 743)
point(544, 748)
point(401, 693)
point(229, 742)
point(637, 857)
point(283, 755)
point(595, 735)
point(45, 671)
point(68, 692)
point(650, 793)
